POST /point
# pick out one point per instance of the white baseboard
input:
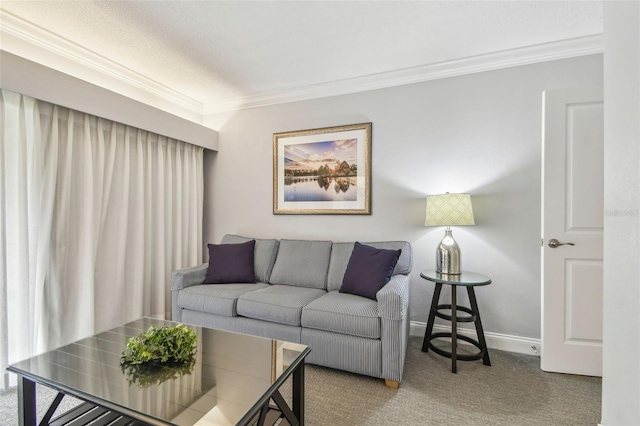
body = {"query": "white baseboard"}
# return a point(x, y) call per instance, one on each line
point(504, 342)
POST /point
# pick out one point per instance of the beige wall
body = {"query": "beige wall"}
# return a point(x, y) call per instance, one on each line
point(478, 133)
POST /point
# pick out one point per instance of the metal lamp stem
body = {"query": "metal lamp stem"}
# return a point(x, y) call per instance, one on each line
point(448, 255)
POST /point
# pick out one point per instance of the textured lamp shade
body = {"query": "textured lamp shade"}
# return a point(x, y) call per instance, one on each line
point(449, 209)
point(446, 210)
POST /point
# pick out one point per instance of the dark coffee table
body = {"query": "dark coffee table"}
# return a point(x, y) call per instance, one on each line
point(235, 380)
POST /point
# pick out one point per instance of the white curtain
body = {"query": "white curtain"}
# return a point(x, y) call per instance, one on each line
point(94, 216)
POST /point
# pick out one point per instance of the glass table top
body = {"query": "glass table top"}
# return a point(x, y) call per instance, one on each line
point(232, 372)
point(465, 278)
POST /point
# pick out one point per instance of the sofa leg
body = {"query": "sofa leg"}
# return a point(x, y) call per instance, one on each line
point(392, 383)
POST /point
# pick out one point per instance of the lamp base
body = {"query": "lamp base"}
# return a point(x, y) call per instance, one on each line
point(448, 255)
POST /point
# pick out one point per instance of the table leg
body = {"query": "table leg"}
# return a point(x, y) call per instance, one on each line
point(284, 409)
point(298, 393)
point(454, 329)
point(263, 414)
point(26, 402)
point(479, 329)
point(432, 317)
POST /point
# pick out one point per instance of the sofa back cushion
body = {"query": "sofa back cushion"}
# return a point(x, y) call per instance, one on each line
point(302, 263)
point(341, 253)
point(264, 254)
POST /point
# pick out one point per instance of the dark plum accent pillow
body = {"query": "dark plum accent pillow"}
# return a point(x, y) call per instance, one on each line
point(231, 263)
point(369, 269)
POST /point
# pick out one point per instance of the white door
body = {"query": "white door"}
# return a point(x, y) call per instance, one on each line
point(572, 212)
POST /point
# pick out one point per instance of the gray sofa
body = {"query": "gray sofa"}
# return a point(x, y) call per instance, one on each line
point(296, 299)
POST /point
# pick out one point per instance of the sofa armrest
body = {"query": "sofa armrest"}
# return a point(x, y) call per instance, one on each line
point(393, 298)
point(187, 277)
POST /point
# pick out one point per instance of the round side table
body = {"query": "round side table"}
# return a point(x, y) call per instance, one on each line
point(468, 280)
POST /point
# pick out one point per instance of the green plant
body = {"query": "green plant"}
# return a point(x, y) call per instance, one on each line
point(159, 354)
point(161, 345)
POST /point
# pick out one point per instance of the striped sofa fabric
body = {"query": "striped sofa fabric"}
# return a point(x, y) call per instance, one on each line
point(296, 298)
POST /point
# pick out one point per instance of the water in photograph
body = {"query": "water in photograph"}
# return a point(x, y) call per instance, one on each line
point(320, 188)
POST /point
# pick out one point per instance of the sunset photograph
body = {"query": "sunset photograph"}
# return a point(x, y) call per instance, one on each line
point(321, 171)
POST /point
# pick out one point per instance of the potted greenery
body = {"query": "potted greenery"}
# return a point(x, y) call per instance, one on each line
point(159, 354)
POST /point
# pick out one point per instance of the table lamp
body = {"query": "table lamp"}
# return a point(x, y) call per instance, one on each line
point(447, 210)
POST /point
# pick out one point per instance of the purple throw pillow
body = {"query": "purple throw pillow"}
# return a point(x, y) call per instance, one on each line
point(369, 269)
point(231, 263)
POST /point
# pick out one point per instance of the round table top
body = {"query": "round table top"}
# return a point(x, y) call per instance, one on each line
point(465, 278)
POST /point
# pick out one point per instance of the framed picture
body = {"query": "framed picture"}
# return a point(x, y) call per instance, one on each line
point(323, 171)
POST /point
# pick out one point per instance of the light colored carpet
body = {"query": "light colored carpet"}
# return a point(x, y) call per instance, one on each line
point(513, 391)
point(44, 396)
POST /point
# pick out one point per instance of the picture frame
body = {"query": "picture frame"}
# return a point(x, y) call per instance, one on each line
point(323, 171)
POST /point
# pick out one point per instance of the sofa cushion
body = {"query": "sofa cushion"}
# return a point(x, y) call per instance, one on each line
point(343, 313)
point(302, 264)
point(369, 269)
point(231, 263)
point(219, 299)
point(264, 254)
point(341, 253)
point(277, 303)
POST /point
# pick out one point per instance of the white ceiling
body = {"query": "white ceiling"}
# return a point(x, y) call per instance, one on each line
point(214, 55)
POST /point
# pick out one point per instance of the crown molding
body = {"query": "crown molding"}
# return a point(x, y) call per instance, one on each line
point(36, 39)
point(563, 49)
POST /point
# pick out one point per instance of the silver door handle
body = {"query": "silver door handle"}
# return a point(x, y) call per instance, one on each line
point(553, 243)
